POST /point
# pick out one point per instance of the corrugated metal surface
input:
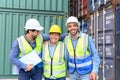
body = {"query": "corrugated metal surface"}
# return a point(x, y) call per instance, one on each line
point(105, 44)
point(118, 42)
point(109, 70)
point(84, 26)
point(106, 33)
point(52, 5)
point(104, 27)
point(92, 27)
point(103, 2)
point(108, 42)
point(93, 5)
point(13, 15)
point(83, 10)
point(73, 7)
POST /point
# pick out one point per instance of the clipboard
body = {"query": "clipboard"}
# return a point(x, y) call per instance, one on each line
point(31, 58)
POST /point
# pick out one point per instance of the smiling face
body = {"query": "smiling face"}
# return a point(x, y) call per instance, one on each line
point(72, 28)
point(54, 37)
point(35, 33)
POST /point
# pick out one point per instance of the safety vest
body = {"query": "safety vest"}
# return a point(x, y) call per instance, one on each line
point(80, 57)
point(25, 47)
point(54, 66)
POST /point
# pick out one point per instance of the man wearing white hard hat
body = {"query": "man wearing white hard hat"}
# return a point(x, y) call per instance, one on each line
point(32, 40)
point(83, 59)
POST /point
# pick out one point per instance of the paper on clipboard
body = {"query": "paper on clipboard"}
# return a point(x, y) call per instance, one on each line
point(31, 58)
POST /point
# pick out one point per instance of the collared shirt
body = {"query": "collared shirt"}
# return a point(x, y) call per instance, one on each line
point(52, 49)
point(92, 49)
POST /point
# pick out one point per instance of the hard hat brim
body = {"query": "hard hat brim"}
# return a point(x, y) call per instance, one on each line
point(40, 29)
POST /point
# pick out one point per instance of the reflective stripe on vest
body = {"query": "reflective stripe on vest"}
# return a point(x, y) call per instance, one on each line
point(25, 47)
point(57, 62)
point(80, 56)
point(82, 64)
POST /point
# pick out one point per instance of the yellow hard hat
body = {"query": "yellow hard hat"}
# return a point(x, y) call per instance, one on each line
point(55, 29)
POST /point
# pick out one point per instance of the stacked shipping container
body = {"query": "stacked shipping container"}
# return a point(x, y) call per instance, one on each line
point(103, 24)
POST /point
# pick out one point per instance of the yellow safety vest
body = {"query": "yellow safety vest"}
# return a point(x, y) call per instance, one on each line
point(54, 66)
point(81, 47)
point(25, 47)
point(79, 58)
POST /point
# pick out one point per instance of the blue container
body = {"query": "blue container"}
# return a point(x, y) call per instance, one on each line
point(100, 38)
point(84, 27)
point(118, 42)
point(109, 69)
point(100, 50)
point(100, 21)
point(102, 2)
point(109, 19)
point(109, 37)
point(92, 6)
point(109, 51)
point(106, 71)
point(91, 27)
point(111, 59)
point(118, 18)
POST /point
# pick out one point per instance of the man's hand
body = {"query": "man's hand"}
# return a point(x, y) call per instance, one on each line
point(93, 76)
point(29, 67)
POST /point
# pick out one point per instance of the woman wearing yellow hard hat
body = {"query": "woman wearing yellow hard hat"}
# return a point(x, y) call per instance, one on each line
point(54, 56)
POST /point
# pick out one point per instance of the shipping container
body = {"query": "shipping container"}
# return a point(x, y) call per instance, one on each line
point(14, 14)
point(104, 27)
point(84, 26)
point(93, 5)
point(92, 27)
point(83, 10)
point(104, 2)
point(117, 42)
point(106, 70)
point(109, 51)
point(108, 37)
point(73, 7)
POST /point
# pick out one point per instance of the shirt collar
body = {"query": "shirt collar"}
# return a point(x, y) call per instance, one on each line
point(28, 40)
point(53, 45)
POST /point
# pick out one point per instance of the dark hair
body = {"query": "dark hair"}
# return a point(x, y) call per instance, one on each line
point(54, 32)
point(30, 30)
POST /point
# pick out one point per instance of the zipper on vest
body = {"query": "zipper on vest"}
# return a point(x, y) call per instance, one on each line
point(52, 58)
point(75, 59)
point(51, 66)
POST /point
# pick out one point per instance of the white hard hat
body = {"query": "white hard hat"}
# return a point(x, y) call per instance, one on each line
point(72, 19)
point(33, 24)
